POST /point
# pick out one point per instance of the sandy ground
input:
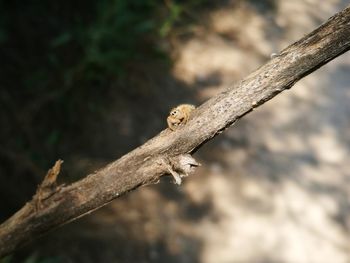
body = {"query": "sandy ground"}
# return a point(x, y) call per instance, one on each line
point(279, 179)
point(279, 182)
point(272, 188)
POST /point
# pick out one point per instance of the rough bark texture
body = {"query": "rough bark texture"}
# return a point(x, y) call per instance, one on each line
point(169, 152)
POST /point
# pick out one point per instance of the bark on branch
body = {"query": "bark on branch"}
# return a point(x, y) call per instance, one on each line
point(169, 152)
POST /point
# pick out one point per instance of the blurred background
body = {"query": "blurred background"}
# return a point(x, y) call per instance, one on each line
point(88, 81)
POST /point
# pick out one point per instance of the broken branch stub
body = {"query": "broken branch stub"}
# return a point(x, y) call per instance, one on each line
point(49, 185)
point(179, 166)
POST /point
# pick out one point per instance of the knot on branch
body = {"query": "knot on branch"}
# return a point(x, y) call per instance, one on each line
point(180, 166)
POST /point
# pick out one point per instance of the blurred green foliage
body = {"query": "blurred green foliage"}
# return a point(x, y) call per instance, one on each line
point(60, 58)
point(33, 258)
point(64, 63)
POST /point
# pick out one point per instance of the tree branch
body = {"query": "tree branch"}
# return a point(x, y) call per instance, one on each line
point(169, 152)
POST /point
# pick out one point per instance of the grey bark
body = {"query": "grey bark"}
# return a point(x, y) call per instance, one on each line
point(170, 151)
